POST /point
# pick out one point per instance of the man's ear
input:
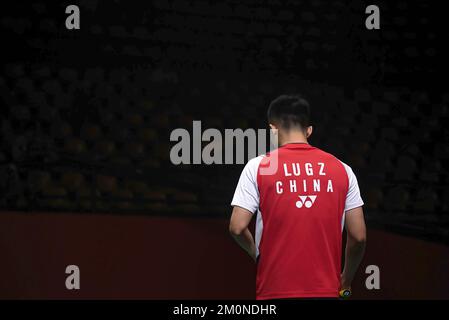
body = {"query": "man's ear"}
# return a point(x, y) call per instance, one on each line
point(309, 131)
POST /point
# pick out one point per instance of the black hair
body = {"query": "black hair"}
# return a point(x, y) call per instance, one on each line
point(289, 111)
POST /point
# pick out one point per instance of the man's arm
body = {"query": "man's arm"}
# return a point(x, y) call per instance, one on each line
point(238, 227)
point(355, 245)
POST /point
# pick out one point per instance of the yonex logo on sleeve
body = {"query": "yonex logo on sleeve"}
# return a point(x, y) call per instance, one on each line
point(305, 201)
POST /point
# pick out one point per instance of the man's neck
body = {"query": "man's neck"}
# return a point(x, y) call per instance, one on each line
point(293, 137)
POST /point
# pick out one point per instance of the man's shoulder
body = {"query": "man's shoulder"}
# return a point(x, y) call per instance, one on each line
point(327, 156)
point(253, 164)
point(255, 161)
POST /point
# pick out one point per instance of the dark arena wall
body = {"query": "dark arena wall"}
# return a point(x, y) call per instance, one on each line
point(141, 257)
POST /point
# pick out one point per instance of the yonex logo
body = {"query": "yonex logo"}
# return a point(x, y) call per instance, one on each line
point(306, 201)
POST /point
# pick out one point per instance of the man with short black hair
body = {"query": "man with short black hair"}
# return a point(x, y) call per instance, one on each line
point(301, 210)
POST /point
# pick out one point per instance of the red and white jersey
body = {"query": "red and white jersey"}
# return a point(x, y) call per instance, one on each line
point(300, 218)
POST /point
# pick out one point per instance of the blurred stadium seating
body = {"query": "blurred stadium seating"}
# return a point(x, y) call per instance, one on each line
point(87, 115)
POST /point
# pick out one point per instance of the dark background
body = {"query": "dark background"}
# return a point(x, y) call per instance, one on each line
point(86, 118)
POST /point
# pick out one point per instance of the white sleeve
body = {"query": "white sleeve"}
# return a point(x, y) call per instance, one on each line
point(353, 198)
point(247, 192)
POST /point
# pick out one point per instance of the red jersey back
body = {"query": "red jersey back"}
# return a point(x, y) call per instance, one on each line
point(300, 216)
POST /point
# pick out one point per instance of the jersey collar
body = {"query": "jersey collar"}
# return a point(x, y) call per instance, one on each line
point(297, 145)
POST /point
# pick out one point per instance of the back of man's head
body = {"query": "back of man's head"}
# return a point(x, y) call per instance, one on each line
point(289, 112)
